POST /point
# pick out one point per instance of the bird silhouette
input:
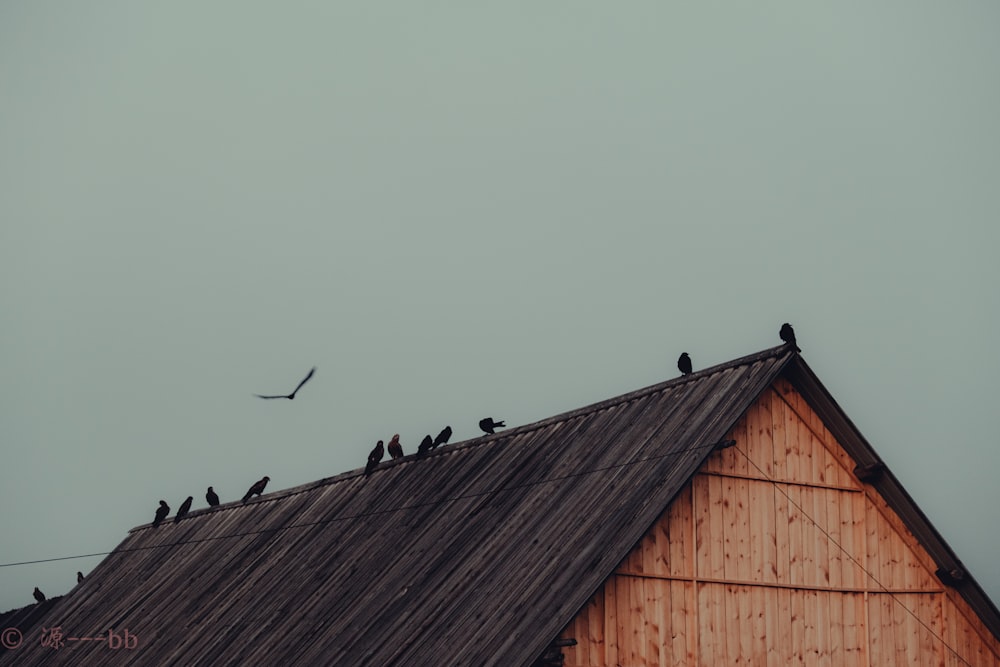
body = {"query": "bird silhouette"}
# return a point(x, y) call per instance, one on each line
point(161, 513)
point(488, 424)
point(374, 457)
point(257, 488)
point(443, 436)
point(426, 445)
point(183, 509)
point(395, 449)
point(39, 596)
point(787, 334)
point(212, 497)
point(291, 396)
point(79, 577)
point(684, 363)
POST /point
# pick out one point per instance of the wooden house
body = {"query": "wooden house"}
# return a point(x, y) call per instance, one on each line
point(732, 516)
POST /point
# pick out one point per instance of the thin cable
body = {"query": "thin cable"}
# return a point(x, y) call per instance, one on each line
point(852, 558)
point(362, 515)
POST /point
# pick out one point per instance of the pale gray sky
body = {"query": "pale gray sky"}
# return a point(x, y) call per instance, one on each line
point(457, 211)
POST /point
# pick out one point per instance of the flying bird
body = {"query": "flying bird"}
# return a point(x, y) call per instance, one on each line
point(684, 363)
point(183, 509)
point(161, 513)
point(395, 449)
point(257, 489)
point(79, 577)
point(443, 436)
point(212, 497)
point(374, 457)
point(39, 596)
point(291, 396)
point(426, 445)
point(488, 425)
point(787, 334)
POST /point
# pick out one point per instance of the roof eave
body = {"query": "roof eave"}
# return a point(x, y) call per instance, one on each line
point(889, 487)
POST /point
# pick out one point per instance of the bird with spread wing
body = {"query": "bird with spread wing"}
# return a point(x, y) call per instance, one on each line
point(291, 396)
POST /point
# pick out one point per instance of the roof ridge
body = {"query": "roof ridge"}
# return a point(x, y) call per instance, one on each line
point(516, 430)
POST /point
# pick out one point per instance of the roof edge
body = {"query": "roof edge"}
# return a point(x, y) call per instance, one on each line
point(889, 487)
point(516, 430)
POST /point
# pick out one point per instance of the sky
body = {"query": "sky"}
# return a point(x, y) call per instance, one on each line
point(459, 210)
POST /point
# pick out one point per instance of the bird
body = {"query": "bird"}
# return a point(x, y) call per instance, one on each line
point(79, 577)
point(426, 445)
point(161, 513)
point(787, 334)
point(395, 449)
point(291, 396)
point(257, 488)
point(684, 363)
point(183, 509)
point(212, 497)
point(39, 596)
point(488, 424)
point(374, 457)
point(443, 436)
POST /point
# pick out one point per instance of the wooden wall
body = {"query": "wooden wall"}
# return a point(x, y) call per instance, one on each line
point(775, 554)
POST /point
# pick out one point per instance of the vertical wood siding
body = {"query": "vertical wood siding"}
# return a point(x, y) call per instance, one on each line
point(775, 554)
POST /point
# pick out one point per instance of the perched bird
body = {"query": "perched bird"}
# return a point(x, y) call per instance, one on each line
point(39, 596)
point(787, 334)
point(79, 577)
point(212, 497)
point(291, 396)
point(443, 436)
point(395, 449)
point(374, 457)
point(684, 363)
point(257, 488)
point(426, 445)
point(183, 509)
point(488, 425)
point(161, 513)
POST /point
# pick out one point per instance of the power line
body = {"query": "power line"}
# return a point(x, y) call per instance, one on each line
point(852, 558)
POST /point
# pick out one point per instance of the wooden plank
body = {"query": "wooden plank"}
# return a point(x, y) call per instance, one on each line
point(654, 613)
point(820, 543)
point(873, 564)
point(757, 512)
point(782, 519)
point(783, 440)
point(798, 628)
point(681, 541)
point(719, 555)
point(740, 501)
point(835, 546)
point(759, 613)
point(738, 462)
point(708, 627)
point(776, 621)
point(656, 558)
point(611, 640)
point(796, 532)
point(701, 499)
point(680, 634)
point(629, 620)
point(732, 630)
point(730, 550)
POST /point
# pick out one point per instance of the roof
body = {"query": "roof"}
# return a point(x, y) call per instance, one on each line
point(478, 554)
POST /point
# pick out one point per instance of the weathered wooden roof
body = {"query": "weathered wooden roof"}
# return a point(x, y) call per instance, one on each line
point(478, 554)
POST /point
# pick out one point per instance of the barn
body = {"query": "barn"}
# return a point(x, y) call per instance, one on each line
point(730, 516)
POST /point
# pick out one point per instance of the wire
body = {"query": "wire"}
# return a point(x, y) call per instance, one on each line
point(362, 515)
point(852, 558)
